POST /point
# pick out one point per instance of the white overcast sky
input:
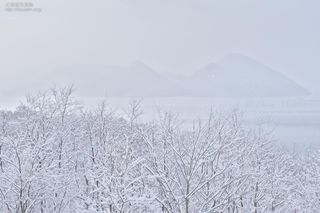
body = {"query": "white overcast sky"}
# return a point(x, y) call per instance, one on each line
point(177, 36)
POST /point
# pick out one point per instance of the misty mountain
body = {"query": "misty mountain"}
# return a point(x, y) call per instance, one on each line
point(136, 80)
point(234, 76)
point(237, 75)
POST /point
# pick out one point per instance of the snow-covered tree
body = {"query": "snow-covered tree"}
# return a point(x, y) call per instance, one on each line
point(57, 156)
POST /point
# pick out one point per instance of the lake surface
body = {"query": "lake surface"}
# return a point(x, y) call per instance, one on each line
point(295, 121)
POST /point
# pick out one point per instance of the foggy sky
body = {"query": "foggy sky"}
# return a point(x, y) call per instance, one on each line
point(177, 36)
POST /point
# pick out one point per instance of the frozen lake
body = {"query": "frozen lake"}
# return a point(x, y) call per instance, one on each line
point(295, 121)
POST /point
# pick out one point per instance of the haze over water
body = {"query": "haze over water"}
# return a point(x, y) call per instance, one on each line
point(294, 122)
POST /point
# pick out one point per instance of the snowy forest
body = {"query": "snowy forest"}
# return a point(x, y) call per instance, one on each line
point(58, 156)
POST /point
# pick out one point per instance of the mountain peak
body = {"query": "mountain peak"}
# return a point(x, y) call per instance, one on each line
point(239, 75)
point(139, 66)
point(237, 59)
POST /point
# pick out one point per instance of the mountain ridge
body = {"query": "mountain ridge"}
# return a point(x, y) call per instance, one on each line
point(235, 75)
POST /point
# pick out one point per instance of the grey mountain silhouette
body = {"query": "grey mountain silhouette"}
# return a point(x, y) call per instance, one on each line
point(238, 75)
point(234, 76)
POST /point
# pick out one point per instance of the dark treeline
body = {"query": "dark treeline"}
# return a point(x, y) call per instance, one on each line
point(56, 156)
